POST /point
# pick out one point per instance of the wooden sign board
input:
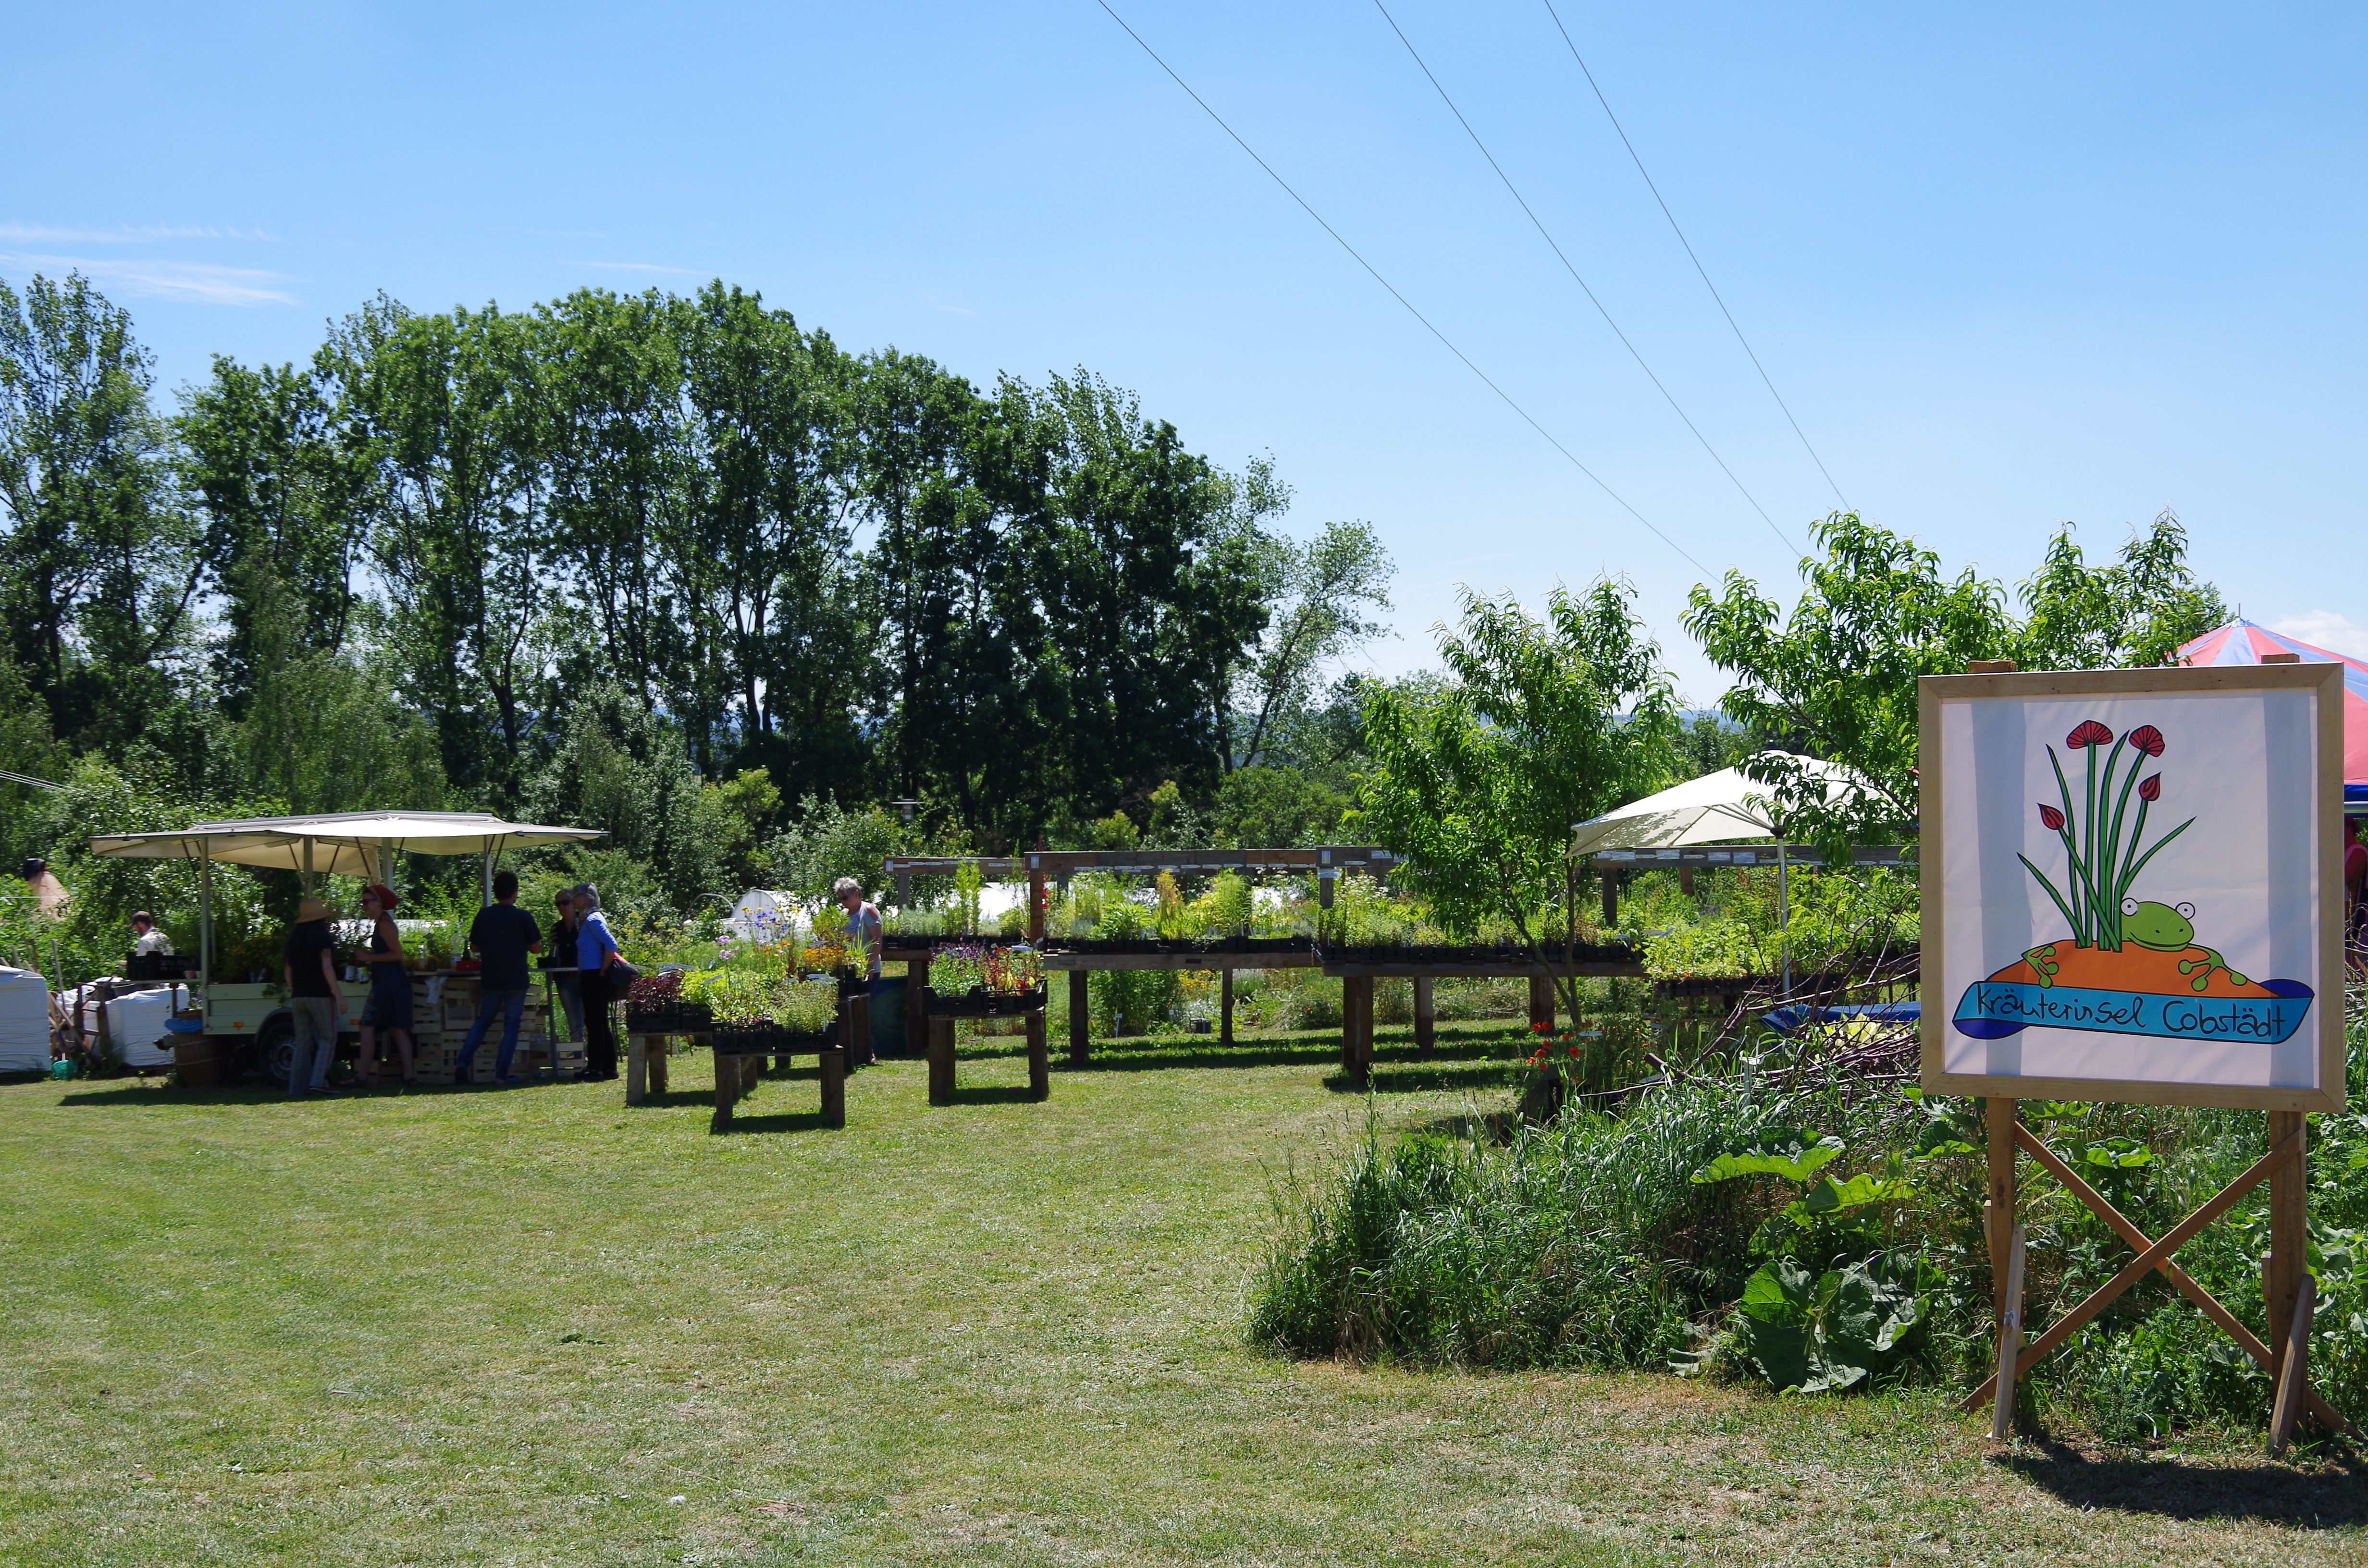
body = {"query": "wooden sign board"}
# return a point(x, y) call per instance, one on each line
point(2132, 886)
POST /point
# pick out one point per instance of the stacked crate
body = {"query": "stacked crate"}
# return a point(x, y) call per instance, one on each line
point(442, 1008)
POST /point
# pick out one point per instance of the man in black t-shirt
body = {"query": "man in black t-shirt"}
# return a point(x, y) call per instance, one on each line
point(503, 935)
point(316, 1002)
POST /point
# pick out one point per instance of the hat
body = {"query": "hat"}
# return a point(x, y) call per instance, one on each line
point(385, 896)
point(310, 910)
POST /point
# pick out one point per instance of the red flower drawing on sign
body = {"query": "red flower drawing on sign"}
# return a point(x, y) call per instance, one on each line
point(2089, 733)
point(2051, 818)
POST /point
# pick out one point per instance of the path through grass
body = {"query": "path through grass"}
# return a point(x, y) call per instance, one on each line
point(533, 1327)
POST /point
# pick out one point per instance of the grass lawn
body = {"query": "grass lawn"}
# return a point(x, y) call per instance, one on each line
point(534, 1327)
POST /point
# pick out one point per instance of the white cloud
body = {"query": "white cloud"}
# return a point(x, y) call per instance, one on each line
point(186, 280)
point(2325, 628)
point(43, 234)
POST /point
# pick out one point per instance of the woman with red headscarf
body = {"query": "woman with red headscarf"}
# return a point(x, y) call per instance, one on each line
point(389, 1007)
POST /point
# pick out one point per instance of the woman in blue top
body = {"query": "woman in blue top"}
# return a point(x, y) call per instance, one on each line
point(595, 950)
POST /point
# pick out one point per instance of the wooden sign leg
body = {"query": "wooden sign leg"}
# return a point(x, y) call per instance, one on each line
point(941, 1060)
point(1081, 1019)
point(1998, 1213)
point(2289, 1190)
point(1425, 1015)
point(1541, 1001)
point(834, 1088)
point(2295, 1379)
point(2009, 1343)
point(637, 1054)
point(1039, 1060)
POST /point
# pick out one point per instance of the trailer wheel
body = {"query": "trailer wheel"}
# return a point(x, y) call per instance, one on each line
point(275, 1047)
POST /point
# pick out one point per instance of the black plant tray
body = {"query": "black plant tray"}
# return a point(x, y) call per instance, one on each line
point(769, 1041)
point(674, 1018)
point(1477, 953)
point(1118, 945)
point(983, 1003)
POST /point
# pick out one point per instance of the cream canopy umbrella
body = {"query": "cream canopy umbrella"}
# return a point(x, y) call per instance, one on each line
point(1716, 808)
point(348, 843)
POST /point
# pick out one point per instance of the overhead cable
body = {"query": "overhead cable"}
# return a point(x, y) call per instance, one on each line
point(1555, 246)
point(1703, 272)
point(1375, 274)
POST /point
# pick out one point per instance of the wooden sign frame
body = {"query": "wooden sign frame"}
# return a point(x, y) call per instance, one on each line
point(2326, 680)
point(2286, 1285)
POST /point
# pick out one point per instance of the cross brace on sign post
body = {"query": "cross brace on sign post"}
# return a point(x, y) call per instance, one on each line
point(2283, 1159)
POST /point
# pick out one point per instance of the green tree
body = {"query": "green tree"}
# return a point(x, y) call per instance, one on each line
point(2138, 611)
point(98, 566)
point(1836, 679)
point(1321, 595)
point(1539, 725)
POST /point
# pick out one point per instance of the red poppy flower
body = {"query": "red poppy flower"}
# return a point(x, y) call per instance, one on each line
point(2152, 788)
point(2147, 739)
point(1572, 1053)
point(2050, 818)
point(1540, 1028)
point(2089, 733)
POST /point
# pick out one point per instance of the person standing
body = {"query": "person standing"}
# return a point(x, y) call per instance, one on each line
point(864, 933)
point(42, 883)
point(316, 1003)
point(389, 1007)
point(503, 935)
point(595, 955)
point(145, 937)
point(559, 964)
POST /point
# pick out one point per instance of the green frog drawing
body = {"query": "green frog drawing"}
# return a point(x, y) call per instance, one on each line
point(2165, 928)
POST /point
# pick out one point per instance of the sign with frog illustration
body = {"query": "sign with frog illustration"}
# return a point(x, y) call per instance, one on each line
point(2131, 889)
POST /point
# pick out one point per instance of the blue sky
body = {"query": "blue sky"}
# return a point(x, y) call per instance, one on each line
point(2008, 265)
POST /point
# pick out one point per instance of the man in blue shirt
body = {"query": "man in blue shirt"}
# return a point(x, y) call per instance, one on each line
point(503, 935)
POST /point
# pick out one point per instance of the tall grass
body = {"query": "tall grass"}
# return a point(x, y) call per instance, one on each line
point(1581, 1244)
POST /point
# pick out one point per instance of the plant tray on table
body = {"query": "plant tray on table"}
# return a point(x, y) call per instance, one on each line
point(982, 1002)
point(1119, 945)
point(656, 1005)
point(1550, 953)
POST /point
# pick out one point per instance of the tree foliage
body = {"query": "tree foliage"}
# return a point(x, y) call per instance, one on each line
point(1539, 725)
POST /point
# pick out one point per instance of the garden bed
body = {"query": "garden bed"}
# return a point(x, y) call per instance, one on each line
point(983, 1003)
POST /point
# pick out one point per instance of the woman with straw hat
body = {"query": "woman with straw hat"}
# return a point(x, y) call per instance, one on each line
point(390, 994)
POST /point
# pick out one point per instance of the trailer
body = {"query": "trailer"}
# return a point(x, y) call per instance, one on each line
point(244, 1025)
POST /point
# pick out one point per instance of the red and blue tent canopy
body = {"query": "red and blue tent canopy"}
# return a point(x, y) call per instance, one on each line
point(2242, 643)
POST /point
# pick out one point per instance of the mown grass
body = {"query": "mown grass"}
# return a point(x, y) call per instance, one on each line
point(534, 1327)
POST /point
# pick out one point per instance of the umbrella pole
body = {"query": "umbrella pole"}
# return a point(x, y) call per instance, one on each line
point(488, 879)
point(205, 916)
point(308, 867)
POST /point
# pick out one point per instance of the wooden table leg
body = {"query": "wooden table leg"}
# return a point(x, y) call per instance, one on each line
point(1039, 1060)
point(941, 1060)
point(727, 1088)
point(1357, 1026)
point(834, 1088)
point(858, 1017)
point(752, 1071)
point(916, 1010)
point(661, 1052)
point(637, 1054)
point(1426, 1016)
point(1226, 1008)
point(1081, 1019)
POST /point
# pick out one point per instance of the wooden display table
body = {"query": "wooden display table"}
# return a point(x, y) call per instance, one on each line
point(738, 1069)
point(1078, 965)
point(1357, 976)
point(941, 1053)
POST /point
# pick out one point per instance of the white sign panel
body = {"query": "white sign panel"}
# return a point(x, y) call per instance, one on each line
point(2131, 889)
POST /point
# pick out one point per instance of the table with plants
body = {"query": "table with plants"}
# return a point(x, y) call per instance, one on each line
point(976, 979)
point(780, 999)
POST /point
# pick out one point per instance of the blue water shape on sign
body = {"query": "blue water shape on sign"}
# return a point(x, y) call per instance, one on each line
point(1992, 1009)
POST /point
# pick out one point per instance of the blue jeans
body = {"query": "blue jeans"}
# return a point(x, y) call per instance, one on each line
point(512, 1007)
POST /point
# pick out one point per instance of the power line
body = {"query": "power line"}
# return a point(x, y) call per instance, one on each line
point(1698, 268)
point(1375, 274)
point(1554, 245)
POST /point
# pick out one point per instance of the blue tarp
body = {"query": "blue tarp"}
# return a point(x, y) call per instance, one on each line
point(1785, 1020)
